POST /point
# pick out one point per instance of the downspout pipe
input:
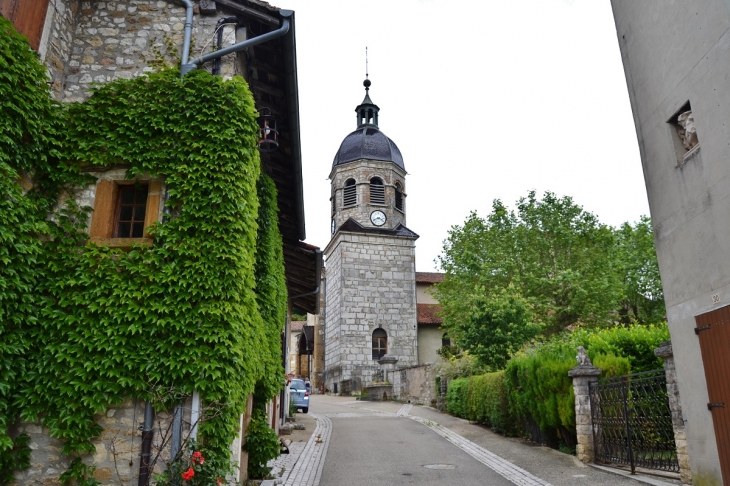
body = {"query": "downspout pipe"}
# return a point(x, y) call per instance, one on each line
point(146, 452)
point(188, 32)
point(186, 66)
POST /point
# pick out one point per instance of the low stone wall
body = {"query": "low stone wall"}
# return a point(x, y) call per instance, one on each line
point(117, 455)
point(117, 449)
point(415, 384)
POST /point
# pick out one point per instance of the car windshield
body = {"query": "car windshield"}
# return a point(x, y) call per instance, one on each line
point(296, 385)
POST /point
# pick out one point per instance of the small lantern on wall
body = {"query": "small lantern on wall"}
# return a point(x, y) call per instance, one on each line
point(269, 134)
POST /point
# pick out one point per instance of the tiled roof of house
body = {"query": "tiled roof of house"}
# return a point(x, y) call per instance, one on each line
point(427, 313)
point(429, 277)
point(296, 326)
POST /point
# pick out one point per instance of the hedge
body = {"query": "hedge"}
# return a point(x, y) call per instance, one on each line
point(535, 387)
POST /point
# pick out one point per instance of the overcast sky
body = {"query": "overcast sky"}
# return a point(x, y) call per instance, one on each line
point(486, 100)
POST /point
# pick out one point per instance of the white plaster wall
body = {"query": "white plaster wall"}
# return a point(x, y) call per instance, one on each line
point(423, 295)
point(429, 341)
point(674, 52)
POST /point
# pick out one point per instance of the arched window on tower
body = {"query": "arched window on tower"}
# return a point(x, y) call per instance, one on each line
point(349, 196)
point(377, 191)
point(399, 197)
point(334, 202)
point(380, 343)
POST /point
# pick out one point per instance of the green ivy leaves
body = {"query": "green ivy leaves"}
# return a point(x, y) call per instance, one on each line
point(83, 327)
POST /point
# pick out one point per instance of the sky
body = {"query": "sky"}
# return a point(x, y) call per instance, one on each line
point(485, 100)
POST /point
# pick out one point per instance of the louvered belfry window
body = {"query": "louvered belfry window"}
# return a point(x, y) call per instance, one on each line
point(349, 196)
point(377, 191)
point(398, 197)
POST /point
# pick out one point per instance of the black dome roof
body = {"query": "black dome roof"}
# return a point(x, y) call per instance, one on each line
point(368, 143)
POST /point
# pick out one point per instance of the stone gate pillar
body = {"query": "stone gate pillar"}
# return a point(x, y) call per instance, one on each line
point(665, 352)
point(582, 375)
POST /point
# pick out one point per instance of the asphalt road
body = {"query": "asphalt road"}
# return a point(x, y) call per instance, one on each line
point(371, 445)
point(371, 448)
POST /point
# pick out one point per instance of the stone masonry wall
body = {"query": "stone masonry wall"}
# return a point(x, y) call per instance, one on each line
point(362, 171)
point(57, 41)
point(128, 38)
point(415, 384)
point(376, 287)
point(118, 448)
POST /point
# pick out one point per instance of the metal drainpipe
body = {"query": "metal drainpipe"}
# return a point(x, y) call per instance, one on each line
point(147, 433)
point(188, 33)
point(187, 66)
point(324, 330)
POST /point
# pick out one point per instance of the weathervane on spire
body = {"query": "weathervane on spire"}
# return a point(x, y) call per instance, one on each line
point(366, 83)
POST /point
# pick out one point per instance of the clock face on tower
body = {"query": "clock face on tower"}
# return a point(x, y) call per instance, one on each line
point(333, 226)
point(377, 218)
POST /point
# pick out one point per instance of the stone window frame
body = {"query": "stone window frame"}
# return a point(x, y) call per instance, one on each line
point(104, 218)
point(676, 130)
point(379, 347)
point(349, 193)
point(376, 185)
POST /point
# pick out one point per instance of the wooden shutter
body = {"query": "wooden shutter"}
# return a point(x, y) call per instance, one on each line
point(713, 330)
point(27, 16)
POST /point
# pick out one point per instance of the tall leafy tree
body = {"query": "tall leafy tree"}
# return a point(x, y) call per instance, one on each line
point(556, 255)
point(643, 300)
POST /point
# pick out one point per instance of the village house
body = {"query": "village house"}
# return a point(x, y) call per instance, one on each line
point(676, 61)
point(86, 42)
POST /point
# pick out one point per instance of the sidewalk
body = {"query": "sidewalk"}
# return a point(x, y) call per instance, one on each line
point(521, 462)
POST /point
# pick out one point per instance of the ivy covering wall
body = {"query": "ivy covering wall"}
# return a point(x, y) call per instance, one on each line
point(82, 327)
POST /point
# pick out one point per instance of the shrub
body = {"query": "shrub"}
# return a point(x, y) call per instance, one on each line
point(456, 396)
point(535, 387)
point(262, 445)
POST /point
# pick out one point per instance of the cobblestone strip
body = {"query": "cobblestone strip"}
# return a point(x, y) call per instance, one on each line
point(308, 470)
point(405, 410)
point(516, 475)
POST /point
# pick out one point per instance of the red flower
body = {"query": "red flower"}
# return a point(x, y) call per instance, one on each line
point(220, 481)
point(198, 458)
point(188, 475)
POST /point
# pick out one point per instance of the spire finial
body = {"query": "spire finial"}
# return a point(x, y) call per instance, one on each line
point(366, 83)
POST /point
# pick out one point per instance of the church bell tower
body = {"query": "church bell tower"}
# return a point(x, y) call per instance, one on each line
point(371, 293)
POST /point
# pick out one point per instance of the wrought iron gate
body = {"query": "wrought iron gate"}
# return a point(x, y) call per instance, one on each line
point(632, 422)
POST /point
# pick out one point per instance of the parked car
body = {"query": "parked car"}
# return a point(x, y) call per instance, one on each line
point(299, 394)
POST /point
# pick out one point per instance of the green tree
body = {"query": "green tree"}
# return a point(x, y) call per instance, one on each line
point(499, 324)
point(559, 257)
point(643, 300)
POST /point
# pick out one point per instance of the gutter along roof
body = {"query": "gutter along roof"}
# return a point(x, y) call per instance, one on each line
point(271, 71)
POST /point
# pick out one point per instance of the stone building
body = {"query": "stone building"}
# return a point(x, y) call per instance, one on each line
point(85, 42)
point(371, 298)
point(676, 59)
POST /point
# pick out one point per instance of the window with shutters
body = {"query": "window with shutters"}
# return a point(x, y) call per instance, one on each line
point(399, 197)
point(377, 191)
point(380, 343)
point(28, 18)
point(349, 195)
point(123, 210)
